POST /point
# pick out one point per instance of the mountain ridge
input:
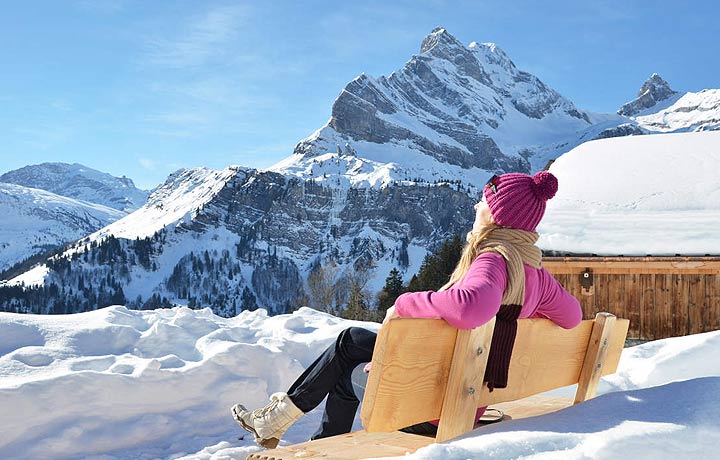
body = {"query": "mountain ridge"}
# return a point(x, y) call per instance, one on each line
point(80, 183)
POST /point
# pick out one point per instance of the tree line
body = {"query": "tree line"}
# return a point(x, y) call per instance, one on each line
point(195, 281)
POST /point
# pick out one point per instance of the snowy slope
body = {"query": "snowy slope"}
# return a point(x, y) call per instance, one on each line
point(121, 384)
point(176, 201)
point(34, 221)
point(81, 183)
point(637, 195)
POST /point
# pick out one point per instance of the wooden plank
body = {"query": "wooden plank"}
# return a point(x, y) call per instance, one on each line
point(351, 446)
point(638, 265)
point(696, 303)
point(632, 304)
point(647, 307)
point(361, 444)
point(663, 306)
point(561, 352)
point(465, 381)
point(680, 314)
point(602, 293)
point(594, 361)
point(616, 295)
point(401, 376)
point(533, 406)
point(617, 344)
point(712, 303)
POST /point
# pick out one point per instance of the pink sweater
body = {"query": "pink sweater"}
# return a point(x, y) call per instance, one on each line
point(476, 298)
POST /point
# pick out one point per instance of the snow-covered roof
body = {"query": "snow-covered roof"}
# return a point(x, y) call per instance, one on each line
point(637, 195)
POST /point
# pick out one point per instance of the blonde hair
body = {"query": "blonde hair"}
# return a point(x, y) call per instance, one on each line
point(469, 253)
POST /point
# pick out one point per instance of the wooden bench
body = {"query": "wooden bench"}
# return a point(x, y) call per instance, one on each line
point(425, 369)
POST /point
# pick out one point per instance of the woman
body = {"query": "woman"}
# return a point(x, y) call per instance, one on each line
point(498, 275)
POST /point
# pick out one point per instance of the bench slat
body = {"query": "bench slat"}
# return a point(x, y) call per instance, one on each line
point(561, 353)
point(361, 444)
point(411, 363)
point(472, 349)
point(595, 357)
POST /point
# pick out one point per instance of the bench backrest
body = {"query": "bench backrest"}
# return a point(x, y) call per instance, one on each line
point(425, 369)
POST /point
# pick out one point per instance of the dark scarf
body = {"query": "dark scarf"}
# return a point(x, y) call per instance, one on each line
point(517, 247)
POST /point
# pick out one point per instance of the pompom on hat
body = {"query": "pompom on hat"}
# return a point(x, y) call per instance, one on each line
point(518, 200)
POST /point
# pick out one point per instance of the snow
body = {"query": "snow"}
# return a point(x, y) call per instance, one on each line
point(33, 277)
point(35, 220)
point(376, 166)
point(637, 195)
point(174, 202)
point(119, 384)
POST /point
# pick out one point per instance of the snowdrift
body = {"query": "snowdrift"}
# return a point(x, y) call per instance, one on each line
point(122, 384)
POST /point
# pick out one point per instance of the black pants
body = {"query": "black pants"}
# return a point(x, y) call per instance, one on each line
point(331, 375)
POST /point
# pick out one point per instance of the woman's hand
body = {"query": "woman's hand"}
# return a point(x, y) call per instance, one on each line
point(390, 314)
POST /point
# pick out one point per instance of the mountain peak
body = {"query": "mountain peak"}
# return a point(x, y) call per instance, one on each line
point(80, 182)
point(438, 41)
point(654, 90)
point(657, 86)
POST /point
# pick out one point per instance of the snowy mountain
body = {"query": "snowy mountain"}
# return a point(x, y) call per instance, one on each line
point(35, 221)
point(81, 183)
point(120, 384)
point(241, 238)
point(691, 112)
point(653, 92)
point(660, 109)
point(461, 111)
point(394, 173)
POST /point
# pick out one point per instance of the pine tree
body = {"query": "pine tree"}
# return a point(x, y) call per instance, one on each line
point(357, 306)
point(392, 289)
point(248, 300)
point(437, 267)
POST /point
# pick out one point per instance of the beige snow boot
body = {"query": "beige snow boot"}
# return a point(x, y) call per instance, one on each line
point(268, 423)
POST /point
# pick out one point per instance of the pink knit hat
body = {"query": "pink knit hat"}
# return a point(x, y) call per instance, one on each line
point(517, 200)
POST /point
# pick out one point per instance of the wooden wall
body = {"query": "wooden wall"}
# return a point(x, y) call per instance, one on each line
point(661, 296)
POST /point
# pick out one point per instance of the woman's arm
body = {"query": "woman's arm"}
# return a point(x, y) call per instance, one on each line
point(474, 303)
point(557, 304)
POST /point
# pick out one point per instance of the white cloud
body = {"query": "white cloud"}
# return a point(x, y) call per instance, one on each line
point(147, 164)
point(200, 41)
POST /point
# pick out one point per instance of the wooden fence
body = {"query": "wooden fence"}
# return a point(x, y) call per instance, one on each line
point(661, 296)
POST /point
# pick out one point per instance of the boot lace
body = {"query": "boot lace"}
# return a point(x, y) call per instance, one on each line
point(263, 411)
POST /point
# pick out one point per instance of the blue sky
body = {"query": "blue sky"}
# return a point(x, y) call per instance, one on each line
point(141, 88)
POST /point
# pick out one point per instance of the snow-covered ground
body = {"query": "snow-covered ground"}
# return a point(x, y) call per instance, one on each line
point(122, 384)
point(637, 195)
